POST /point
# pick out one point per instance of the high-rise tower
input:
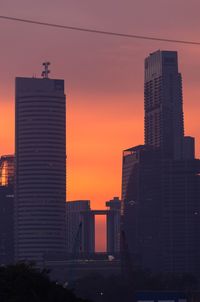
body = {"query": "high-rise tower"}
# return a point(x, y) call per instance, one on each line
point(40, 191)
point(163, 104)
point(161, 179)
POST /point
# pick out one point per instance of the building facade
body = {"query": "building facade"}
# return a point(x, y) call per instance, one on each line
point(181, 216)
point(6, 209)
point(78, 229)
point(163, 104)
point(161, 179)
point(113, 226)
point(141, 191)
point(40, 183)
point(81, 234)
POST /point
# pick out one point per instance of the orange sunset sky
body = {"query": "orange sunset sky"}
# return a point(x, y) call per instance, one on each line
point(103, 78)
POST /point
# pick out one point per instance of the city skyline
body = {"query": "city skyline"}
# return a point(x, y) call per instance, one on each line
point(104, 82)
point(100, 150)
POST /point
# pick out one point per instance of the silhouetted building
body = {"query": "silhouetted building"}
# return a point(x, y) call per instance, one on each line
point(189, 148)
point(81, 227)
point(163, 104)
point(141, 192)
point(6, 209)
point(113, 226)
point(40, 191)
point(81, 258)
point(161, 179)
point(181, 216)
point(78, 232)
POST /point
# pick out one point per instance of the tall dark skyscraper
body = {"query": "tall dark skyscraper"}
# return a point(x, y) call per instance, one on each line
point(40, 191)
point(161, 179)
point(163, 104)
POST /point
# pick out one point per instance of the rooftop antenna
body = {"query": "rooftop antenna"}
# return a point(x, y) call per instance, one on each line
point(46, 71)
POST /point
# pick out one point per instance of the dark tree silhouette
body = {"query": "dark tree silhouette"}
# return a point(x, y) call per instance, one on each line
point(25, 283)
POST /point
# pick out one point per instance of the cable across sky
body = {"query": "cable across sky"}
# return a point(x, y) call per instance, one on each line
point(101, 32)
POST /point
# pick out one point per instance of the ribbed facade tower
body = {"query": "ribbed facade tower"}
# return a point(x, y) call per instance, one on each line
point(40, 188)
point(163, 104)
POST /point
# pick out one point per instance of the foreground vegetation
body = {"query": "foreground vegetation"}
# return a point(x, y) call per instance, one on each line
point(24, 283)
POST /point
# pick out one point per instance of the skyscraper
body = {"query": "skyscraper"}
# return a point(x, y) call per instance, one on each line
point(161, 179)
point(40, 146)
point(163, 104)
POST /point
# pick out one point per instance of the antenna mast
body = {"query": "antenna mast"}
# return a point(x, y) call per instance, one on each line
point(46, 71)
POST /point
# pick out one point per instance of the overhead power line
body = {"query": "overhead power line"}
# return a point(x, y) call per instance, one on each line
point(101, 32)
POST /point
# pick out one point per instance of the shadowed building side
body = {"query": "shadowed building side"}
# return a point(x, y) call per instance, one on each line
point(79, 233)
point(181, 216)
point(141, 191)
point(113, 226)
point(6, 209)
